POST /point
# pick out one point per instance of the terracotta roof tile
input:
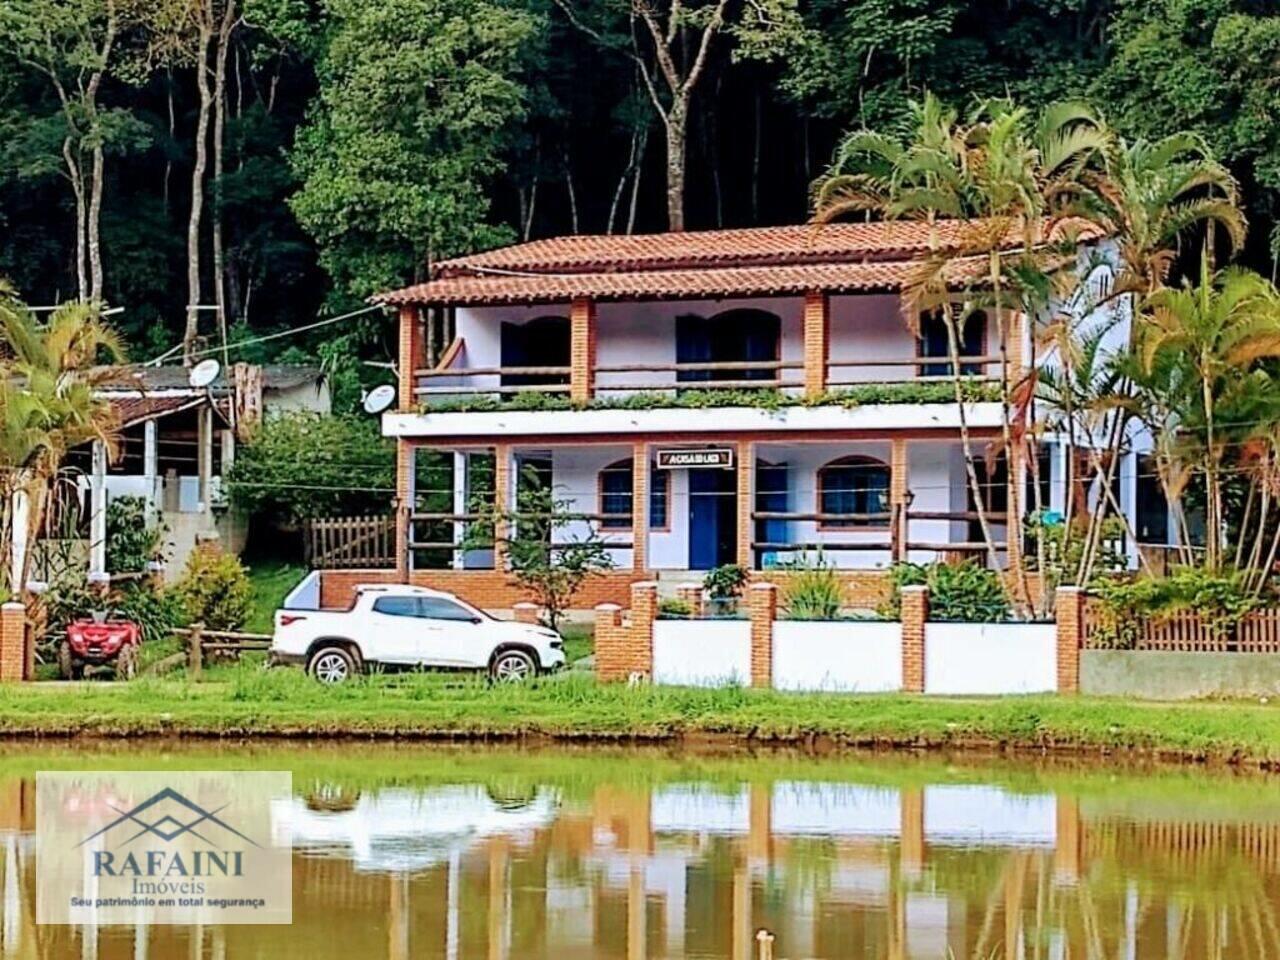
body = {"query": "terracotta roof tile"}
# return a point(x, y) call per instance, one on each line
point(837, 242)
point(664, 284)
point(133, 410)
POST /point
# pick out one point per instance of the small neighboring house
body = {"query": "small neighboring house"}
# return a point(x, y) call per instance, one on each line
point(177, 442)
point(626, 330)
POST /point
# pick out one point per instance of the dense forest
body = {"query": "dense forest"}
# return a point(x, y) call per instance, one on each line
point(240, 167)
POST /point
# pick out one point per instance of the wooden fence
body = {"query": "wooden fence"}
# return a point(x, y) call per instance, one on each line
point(337, 542)
point(1185, 631)
point(201, 642)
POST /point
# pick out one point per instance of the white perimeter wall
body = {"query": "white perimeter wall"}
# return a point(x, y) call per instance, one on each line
point(702, 653)
point(990, 658)
point(861, 657)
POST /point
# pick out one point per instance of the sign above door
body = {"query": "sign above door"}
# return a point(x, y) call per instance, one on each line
point(715, 457)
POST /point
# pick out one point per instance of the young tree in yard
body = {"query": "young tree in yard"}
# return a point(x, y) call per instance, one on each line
point(415, 106)
point(70, 43)
point(552, 549)
point(671, 43)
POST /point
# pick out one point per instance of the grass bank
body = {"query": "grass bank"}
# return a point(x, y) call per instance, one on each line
point(248, 701)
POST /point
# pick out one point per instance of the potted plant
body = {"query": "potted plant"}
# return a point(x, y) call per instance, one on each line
point(724, 589)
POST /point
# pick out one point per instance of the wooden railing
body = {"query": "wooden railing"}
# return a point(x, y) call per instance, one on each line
point(333, 542)
point(1187, 632)
point(893, 532)
point(709, 375)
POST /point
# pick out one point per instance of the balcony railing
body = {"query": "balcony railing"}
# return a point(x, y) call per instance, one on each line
point(621, 379)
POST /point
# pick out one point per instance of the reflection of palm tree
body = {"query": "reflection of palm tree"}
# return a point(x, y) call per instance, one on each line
point(332, 798)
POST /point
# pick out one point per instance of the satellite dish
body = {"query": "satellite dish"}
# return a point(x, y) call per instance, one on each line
point(379, 398)
point(204, 373)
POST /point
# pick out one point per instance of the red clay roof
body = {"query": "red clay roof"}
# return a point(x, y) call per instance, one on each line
point(837, 258)
point(757, 246)
point(133, 410)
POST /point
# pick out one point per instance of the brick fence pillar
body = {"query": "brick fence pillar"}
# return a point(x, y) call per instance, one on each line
point(525, 612)
point(644, 610)
point(1069, 603)
point(13, 641)
point(609, 641)
point(691, 593)
point(915, 612)
point(762, 607)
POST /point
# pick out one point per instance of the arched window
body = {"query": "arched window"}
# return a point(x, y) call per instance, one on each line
point(615, 497)
point(852, 487)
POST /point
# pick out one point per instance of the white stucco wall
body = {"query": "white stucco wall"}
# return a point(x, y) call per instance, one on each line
point(990, 658)
point(851, 656)
point(702, 653)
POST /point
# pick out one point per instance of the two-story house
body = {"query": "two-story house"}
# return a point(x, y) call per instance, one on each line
point(742, 396)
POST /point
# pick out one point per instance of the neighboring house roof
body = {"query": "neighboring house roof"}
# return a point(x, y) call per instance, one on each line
point(174, 378)
point(134, 409)
point(836, 258)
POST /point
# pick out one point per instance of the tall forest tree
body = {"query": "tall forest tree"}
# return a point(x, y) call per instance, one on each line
point(416, 104)
point(70, 43)
point(671, 45)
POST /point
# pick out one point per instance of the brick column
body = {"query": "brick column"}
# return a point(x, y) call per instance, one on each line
point(525, 612)
point(1068, 849)
point(403, 506)
point(762, 607)
point(13, 642)
point(609, 640)
point(915, 612)
point(412, 354)
point(640, 507)
point(582, 350)
point(1015, 334)
point(746, 454)
point(817, 342)
point(692, 594)
point(502, 505)
point(898, 478)
point(1069, 608)
point(626, 648)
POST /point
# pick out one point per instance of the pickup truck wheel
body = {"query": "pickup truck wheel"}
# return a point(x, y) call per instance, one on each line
point(512, 666)
point(332, 665)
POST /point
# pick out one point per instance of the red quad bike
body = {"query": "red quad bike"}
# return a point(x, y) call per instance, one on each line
point(100, 641)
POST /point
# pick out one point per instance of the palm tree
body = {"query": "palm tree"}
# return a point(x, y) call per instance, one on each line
point(1018, 189)
point(1153, 194)
point(1206, 342)
point(47, 407)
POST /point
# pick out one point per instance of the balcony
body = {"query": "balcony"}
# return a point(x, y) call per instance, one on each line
point(787, 352)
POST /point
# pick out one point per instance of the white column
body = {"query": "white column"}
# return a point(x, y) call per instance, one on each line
point(20, 512)
point(98, 510)
point(227, 441)
point(204, 454)
point(459, 506)
point(1129, 503)
point(1058, 479)
point(151, 467)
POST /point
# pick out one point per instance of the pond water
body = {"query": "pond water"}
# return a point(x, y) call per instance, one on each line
point(405, 851)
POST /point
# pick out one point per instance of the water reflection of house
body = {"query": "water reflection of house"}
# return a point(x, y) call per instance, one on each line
point(406, 830)
point(835, 870)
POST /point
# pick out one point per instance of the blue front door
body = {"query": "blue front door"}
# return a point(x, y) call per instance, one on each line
point(713, 518)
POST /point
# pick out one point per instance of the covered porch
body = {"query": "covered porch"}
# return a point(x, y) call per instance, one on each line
point(862, 501)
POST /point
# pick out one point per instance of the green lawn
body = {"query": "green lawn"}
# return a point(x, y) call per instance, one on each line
point(272, 580)
point(248, 700)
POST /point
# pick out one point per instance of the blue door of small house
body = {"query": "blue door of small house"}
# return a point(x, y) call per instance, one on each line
point(713, 518)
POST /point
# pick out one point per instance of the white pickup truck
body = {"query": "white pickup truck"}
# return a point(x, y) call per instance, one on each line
point(399, 626)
